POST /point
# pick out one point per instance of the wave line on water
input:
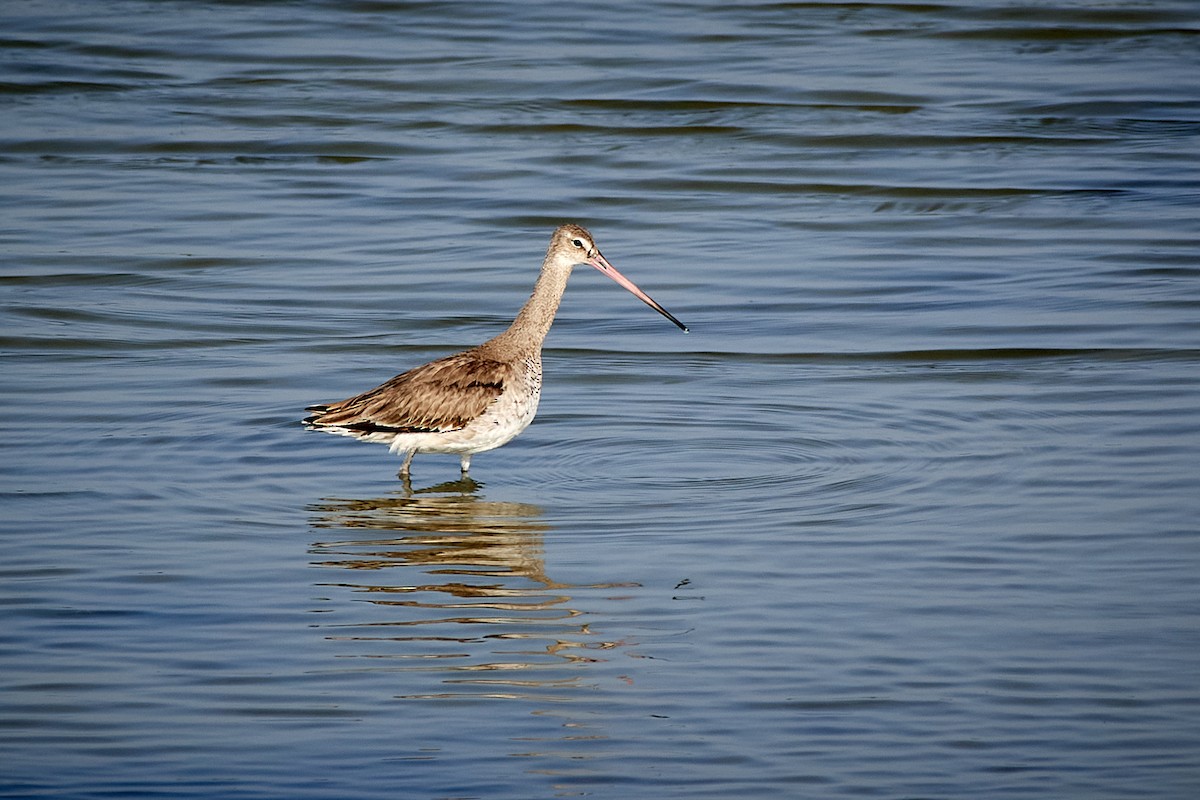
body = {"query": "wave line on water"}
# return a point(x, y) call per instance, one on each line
point(982, 354)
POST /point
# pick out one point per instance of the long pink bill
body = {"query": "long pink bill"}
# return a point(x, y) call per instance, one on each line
point(601, 263)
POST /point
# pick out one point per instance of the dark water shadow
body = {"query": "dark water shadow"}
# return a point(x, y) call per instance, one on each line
point(452, 589)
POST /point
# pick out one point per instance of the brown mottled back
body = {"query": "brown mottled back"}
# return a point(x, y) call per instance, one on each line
point(443, 395)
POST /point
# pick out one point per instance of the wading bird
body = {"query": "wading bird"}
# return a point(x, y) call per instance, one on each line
point(480, 398)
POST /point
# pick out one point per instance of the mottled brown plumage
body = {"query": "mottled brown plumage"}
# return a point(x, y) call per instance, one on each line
point(443, 395)
point(480, 398)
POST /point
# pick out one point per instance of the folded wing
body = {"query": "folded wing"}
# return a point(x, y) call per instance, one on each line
point(443, 395)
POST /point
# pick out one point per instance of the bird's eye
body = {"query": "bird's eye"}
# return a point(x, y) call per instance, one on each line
point(577, 243)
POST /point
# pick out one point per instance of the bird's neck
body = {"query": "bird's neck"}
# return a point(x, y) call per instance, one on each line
point(533, 322)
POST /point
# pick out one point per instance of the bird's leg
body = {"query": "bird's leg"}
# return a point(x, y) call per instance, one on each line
point(403, 473)
point(466, 462)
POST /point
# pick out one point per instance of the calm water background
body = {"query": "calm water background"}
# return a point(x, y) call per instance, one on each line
point(912, 512)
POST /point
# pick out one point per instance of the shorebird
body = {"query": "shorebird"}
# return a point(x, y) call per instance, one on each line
point(480, 398)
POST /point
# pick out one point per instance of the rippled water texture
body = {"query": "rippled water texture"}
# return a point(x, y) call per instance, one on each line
point(911, 513)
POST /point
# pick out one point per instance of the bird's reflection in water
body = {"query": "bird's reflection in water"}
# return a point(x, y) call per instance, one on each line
point(456, 594)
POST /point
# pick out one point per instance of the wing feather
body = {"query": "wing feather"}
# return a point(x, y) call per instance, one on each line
point(443, 395)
